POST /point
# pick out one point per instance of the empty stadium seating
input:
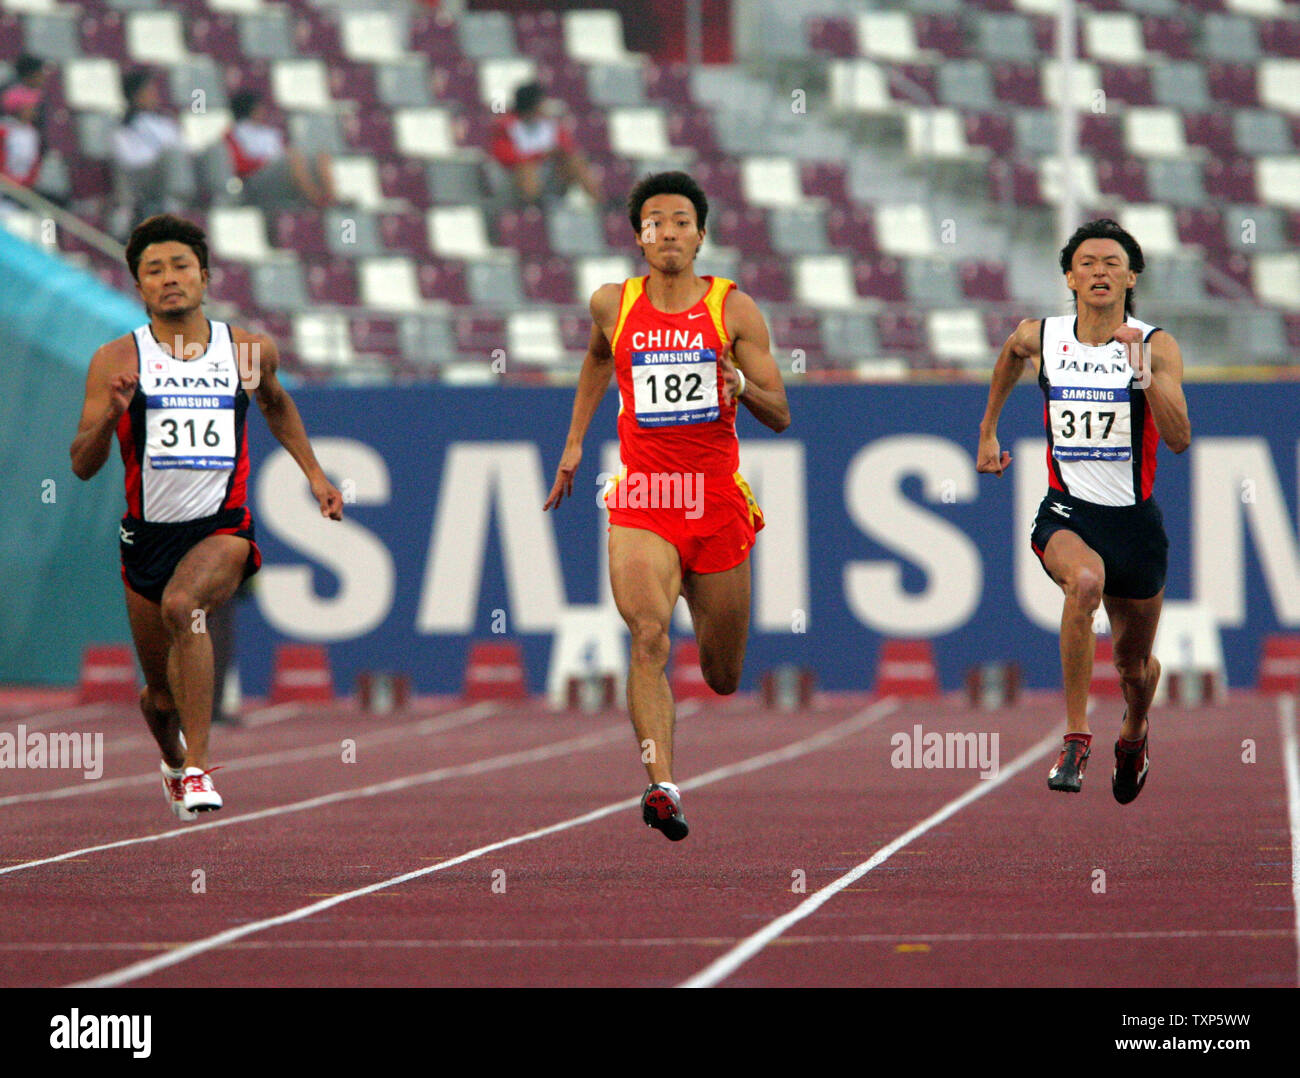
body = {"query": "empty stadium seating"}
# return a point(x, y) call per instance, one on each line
point(888, 220)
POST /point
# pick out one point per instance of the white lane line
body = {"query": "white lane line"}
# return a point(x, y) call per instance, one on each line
point(478, 767)
point(1291, 763)
point(45, 719)
point(790, 752)
point(722, 968)
point(434, 724)
point(264, 716)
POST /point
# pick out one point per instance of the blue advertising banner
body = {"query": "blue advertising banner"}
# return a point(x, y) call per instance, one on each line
point(878, 527)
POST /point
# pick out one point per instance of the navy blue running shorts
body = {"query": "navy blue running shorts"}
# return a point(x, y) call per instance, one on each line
point(1130, 539)
point(151, 551)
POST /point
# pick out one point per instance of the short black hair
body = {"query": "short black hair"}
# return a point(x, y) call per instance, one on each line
point(243, 103)
point(1105, 229)
point(528, 97)
point(133, 82)
point(163, 228)
point(27, 65)
point(667, 183)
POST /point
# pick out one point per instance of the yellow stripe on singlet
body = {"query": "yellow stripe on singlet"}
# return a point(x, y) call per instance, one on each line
point(715, 299)
point(633, 288)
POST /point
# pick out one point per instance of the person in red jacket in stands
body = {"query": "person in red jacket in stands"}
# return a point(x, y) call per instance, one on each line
point(538, 150)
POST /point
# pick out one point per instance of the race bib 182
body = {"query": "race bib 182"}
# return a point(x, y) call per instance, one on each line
point(675, 387)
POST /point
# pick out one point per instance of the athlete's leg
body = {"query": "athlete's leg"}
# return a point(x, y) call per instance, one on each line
point(646, 577)
point(1133, 624)
point(1078, 569)
point(719, 605)
point(206, 577)
point(152, 644)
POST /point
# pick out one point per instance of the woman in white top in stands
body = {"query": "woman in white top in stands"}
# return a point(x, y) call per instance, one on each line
point(151, 169)
point(274, 175)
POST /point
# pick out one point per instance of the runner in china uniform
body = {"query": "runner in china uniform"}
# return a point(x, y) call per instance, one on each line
point(1113, 389)
point(682, 520)
point(176, 393)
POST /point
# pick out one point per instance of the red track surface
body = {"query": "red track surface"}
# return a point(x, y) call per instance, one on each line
point(1002, 892)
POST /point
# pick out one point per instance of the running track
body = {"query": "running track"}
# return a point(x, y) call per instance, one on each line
point(501, 846)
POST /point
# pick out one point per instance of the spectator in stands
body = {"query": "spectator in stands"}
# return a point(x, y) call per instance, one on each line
point(20, 137)
point(30, 71)
point(152, 172)
point(537, 148)
point(274, 175)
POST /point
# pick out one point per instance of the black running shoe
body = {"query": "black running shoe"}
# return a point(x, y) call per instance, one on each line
point(1130, 774)
point(1067, 775)
point(661, 809)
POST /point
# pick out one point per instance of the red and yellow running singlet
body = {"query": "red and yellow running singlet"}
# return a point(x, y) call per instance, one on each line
point(673, 417)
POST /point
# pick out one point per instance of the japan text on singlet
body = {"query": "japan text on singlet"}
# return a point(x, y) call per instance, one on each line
point(672, 415)
point(1101, 435)
point(183, 434)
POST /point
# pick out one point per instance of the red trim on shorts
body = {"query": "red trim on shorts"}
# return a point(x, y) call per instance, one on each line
point(126, 436)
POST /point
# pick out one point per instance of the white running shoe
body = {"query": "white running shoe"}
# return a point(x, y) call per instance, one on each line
point(174, 791)
point(200, 794)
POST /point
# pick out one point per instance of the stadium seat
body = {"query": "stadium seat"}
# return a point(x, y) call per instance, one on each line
point(957, 335)
point(373, 37)
point(1154, 222)
point(547, 280)
point(52, 35)
point(639, 133)
point(859, 86)
point(495, 280)
point(403, 181)
point(1228, 37)
point(832, 35)
point(301, 86)
point(352, 233)
point(403, 83)
point(824, 281)
point(1258, 132)
point(904, 229)
point(591, 273)
point(443, 281)
point(936, 133)
point(427, 339)
point(771, 181)
point(533, 336)
point(238, 233)
point(887, 35)
point(389, 284)
point(931, 282)
point(278, 286)
point(965, 84)
point(615, 86)
point(1276, 279)
point(595, 37)
point(1278, 180)
point(267, 34)
point(1181, 86)
point(323, 338)
point(574, 231)
point(1153, 132)
point(486, 35)
point(356, 180)
point(798, 230)
point(424, 132)
point(332, 281)
point(93, 84)
point(1113, 37)
point(1278, 85)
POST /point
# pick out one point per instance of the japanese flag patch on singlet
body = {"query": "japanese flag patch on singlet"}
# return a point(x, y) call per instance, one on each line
point(675, 386)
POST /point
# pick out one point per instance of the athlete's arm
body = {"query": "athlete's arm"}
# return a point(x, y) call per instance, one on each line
point(1164, 388)
point(109, 389)
point(259, 362)
point(751, 351)
point(597, 368)
point(1021, 347)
